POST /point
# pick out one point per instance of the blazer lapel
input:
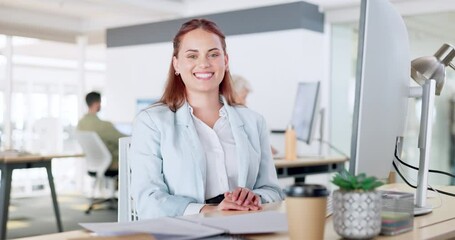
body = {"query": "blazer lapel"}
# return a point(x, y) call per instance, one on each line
point(184, 119)
point(241, 142)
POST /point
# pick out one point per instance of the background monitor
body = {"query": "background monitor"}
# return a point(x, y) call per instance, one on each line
point(124, 127)
point(143, 103)
point(382, 88)
point(305, 110)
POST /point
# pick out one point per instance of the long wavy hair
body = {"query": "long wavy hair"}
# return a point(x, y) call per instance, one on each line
point(174, 95)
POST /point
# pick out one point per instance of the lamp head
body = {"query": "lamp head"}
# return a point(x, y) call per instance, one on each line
point(433, 67)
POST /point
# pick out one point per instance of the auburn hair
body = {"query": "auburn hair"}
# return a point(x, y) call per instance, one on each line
point(174, 95)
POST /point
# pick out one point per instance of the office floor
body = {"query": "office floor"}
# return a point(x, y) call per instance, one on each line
point(35, 216)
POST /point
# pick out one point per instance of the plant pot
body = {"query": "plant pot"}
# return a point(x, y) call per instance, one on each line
point(357, 214)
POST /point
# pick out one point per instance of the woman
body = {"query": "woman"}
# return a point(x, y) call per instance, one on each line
point(241, 88)
point(197, 150)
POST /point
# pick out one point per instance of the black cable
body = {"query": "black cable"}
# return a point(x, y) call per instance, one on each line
point(396, 168)
point(409, 184)
point(332, 147)
point(401, 175)
point(431, 170)
point(428, 188)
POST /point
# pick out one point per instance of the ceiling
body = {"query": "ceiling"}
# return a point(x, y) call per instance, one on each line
point(64, 20)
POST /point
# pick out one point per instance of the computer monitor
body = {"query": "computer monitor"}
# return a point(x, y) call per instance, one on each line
point(305, 110)
point(382, 88)
point(124, 127)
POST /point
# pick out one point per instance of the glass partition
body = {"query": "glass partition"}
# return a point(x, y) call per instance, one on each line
point(424, 41)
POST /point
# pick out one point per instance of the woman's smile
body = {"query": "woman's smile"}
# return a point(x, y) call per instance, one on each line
point(203, 75)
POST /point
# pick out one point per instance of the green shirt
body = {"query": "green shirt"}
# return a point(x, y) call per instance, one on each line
point(107, 132)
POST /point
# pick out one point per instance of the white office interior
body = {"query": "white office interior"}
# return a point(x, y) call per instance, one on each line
point(47, 67)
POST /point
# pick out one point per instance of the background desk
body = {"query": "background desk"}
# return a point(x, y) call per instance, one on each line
point(8, 164)
point(304, 166)
point(438, 225)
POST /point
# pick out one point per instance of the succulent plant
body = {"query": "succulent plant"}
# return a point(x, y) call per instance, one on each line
point(349, 182)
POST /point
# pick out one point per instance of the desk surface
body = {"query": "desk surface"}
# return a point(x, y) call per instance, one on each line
point(35, 158)
point(438, 225)
point(308, 161)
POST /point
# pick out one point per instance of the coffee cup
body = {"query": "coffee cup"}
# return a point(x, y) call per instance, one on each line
point(306, 206)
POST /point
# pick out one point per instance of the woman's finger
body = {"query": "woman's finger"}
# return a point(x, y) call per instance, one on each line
point(243, 195)
point(236, 194)
point(249, 198)
point(227, 205)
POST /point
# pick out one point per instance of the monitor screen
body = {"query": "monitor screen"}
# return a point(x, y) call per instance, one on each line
point(305, 110)
point(124, 127)
point(382, 88)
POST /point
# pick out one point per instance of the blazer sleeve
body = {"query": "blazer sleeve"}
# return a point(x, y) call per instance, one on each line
point(148, 186)
point(266, 184)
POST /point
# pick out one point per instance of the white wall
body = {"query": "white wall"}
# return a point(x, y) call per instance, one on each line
point(273, 62)
point(134, 72)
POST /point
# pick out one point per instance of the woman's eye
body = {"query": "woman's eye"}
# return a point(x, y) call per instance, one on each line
point(213, 55)
point(192, 56)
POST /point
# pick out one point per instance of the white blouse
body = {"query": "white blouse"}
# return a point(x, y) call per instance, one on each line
point(220, 153)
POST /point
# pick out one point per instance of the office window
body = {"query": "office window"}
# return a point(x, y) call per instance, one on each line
point(69, 113)
point(45, 101)
point(2, 109)
point(40, 107)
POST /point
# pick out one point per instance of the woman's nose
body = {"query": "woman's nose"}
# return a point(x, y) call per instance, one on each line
point(204, 62)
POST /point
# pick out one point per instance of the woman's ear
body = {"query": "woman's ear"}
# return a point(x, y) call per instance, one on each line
point(175, 64)
point(226, 62)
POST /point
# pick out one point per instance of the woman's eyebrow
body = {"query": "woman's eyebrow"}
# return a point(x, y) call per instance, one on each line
point(213, 49)
point(195, 50)
point(191, 50)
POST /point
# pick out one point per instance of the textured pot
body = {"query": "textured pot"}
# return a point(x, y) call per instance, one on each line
point(357, 215)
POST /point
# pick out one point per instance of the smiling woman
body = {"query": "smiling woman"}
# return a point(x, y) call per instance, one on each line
point(201, 62)
point(198, 150)
point(199, 41)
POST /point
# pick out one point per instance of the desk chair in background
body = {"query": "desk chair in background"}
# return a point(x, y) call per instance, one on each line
point(126, 206)
point(98, 159)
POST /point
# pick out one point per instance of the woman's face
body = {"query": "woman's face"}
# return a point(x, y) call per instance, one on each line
point(201, 61)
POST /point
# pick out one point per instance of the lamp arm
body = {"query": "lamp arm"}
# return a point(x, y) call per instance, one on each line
point(428, 95)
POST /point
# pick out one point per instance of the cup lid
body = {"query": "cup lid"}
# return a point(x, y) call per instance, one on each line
point(306, 190)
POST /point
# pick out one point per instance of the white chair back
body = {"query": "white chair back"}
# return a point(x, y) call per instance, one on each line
point(126, 205)
point(97, 155)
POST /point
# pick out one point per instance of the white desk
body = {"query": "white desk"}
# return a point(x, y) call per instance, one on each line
point(8, 164)
point(438, 225)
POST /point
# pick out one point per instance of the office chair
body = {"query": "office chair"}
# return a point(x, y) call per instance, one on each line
point(98, 160)
point(126, 206)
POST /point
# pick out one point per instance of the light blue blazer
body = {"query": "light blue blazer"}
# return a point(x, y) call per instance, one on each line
point(168, 162)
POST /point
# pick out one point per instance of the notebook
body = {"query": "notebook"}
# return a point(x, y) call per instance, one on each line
point(191, 227)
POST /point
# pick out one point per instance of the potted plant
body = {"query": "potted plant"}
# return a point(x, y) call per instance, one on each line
point(356, 205)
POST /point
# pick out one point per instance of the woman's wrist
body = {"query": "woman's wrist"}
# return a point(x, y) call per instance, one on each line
point(208, 208)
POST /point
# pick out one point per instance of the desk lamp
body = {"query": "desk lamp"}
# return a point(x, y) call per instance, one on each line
point(428, 72)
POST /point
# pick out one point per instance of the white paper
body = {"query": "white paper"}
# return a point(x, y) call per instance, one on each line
point(194, 227)
point(160, 228)
point(248, 223)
